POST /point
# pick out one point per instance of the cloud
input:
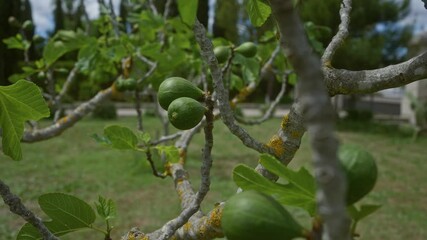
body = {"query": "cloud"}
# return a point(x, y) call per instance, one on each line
point(42, 16)
point(417, 16)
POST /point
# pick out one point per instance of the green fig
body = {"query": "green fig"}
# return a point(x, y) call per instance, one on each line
point(185, 113)
point(360, 169)
point(222, 53)
point(176, 87)
point(247, 49)
point(252, 215)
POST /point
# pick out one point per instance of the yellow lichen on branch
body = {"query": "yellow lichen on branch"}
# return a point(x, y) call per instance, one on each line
point(182, 156)
point(62, 120)
point(276, 143)
point(211, 225)
point(285, 121)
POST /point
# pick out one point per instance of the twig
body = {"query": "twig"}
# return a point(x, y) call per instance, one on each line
point(319, 116)
point(65, 88)
point(140, 126)
point(341, 35)
point(167, 10)
point(171, 226)
point(207, 156)
point(16, 206)
point(153, 7)
point(167, 138)
point(153, 66)
point(69, 120)
point(252, 86)
point(153, 167)
point(270, 111)
point(223, 102)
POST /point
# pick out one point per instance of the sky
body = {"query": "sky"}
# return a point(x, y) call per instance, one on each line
point(42, 14)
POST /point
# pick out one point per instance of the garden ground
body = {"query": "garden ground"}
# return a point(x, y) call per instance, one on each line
point(74, 163)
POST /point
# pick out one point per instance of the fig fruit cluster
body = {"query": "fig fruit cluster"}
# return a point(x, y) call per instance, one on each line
point(123, 84)
point(180, 98)
point(247, 49)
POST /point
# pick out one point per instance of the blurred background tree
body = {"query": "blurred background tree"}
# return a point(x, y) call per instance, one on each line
point(376, 38)
point(20, 10)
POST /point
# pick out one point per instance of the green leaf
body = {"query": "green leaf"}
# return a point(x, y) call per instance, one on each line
point(144, 137)
point(62, 43)
point(106, 208)
point(171, 152)
point(248, 179)
point(70, 210)
point(188, 10)
point(19, 102)
point(250, 68)
point(258, 12)
point(292, 79)
point(101, 139)
point(301, 190)
point(290, 195)
point(364, 211)
point(236, 82)
point(302, 179)
point(16, 42)
point(67, 213)
point(121, 137)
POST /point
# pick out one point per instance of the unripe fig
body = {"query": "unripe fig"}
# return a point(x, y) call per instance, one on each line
point(185, 113)
point(222, 53)
point(120, 84)
point(28, 25)
point(14, 22)
point(360, 169)
point(130, 84)
point(252, 215)
point(176, 87)
point(37, 39)
point(247, 49)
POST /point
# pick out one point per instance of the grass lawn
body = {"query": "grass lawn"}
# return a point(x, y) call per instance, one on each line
point(74, 163)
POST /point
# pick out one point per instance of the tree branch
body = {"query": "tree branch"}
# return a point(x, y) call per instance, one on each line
point(16, 206)
point(68, 121)
point(270, 111)
point(341, 81)
point(170, 227)
point(340, 36)
point(223, 102)
point(319, 116)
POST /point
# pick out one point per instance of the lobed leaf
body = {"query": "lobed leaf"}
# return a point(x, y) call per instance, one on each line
point(67, 213)
point(171, 152)
point(248, 179)
point(258, 12)
point(121, 137)
point(302, 179)
point(364, 211)
point(188, 10)
point(19, 102)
